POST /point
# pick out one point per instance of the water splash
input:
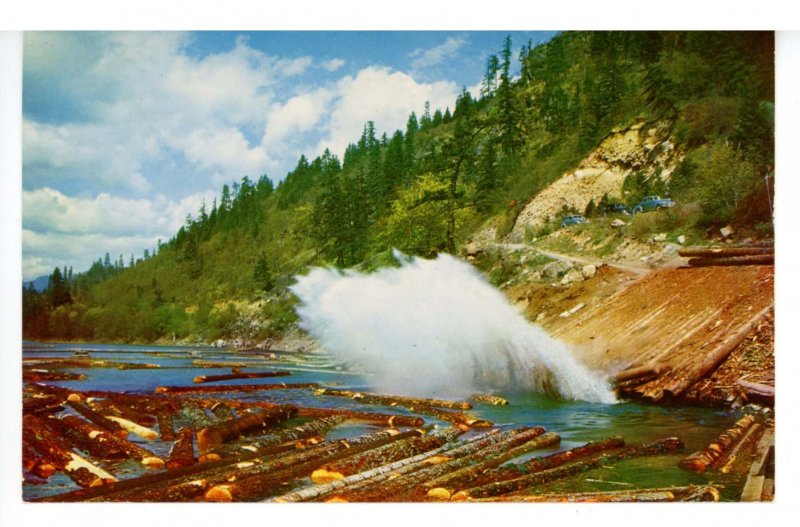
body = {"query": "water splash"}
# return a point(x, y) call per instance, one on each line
point(437, 328)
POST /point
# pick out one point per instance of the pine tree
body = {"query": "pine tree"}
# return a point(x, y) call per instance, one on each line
point(261, 274)
point(57, 290)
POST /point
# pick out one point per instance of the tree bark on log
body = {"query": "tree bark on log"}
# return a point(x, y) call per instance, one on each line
point(466, 475)
point(397, 488)
point(487, 398)
point(234, 376)
point(38, 375)
point(118, 409)
point(35, 463)
point(726, 463)
point(668, 494)
point(724, 252)
point(98, 419)
point(701, 460)
point(314, 428)
point(259, 482)
point(60, 455)
point(233, 388)
point(196, 416)
point(214, 436)
point(134, 428)
point(662, 446)
point(166, 428)
point(222, 411)
point(391, 400)
point(763, 259)
point(127, 490)
point(115, 446)
point(649, 370)
point(757, 392)
point(48, 404)
point(374, 476)
point(384, 455)
point(182, 452)
point(715, 357)
point(457, 418)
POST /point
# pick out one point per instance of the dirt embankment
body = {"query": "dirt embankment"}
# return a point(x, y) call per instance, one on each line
point(677, 320)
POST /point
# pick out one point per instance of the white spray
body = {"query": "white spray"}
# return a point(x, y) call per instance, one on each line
point(437, 328)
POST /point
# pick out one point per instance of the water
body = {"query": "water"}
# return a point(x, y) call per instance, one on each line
point(576, 421)
point(437, 328)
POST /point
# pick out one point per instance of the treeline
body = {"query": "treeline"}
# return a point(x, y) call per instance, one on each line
point(428, 187)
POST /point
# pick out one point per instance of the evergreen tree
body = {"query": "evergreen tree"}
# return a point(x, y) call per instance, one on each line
point(261, 274)
point(57, 290)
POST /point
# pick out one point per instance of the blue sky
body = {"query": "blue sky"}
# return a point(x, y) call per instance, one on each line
point(125, 133)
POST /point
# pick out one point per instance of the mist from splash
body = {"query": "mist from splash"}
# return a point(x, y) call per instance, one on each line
point(437, 328)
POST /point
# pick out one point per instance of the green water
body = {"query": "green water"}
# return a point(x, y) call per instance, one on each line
point(576, 422)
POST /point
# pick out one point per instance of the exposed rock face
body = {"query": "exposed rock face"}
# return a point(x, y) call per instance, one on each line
point(553, 269)
point(604, 171)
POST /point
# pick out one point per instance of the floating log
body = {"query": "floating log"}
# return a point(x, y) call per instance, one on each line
point(715, 357)
point(724, 252)
point(662, 446)
point(763, 259)
point(129, 489)
point(166, 428)
point(761, 393)
point(108, 407)
point(234, 388)
point(376, 475)
point(701, 460)
point(38, 375)
point(258, 482)
point(392, 400)
point(649, 370)
point(725, 463)
point(35, 463)
point(134, 428)
point(112, 445)
point(214, 436)
point(60, 455)
point(234, 376)
point(182, 452)
point(384, 455)
point(457, 418)
point(669, 494)
point(196, 416)
point(314, 428)
point(372, 418)
point(84, 436)
point(45, 404)
point(489, 460)
point(494, 400)
point(461, 455)
point(98, 419)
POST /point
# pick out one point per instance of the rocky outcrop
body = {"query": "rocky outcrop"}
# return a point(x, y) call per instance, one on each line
point(621, 153)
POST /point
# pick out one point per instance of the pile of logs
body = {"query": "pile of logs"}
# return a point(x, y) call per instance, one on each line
point(743, 255)
point(190, 447)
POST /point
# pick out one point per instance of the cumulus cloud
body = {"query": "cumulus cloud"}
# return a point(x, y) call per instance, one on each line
point(425, 58)
point(333, 64)
point(381, 95)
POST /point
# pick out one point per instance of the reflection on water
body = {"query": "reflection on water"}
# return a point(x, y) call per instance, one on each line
point(576, 422)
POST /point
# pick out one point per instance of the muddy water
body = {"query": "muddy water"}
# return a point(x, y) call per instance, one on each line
point(576, 422)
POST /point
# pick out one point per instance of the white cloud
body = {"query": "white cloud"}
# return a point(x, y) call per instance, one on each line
point(297, 115)
point(333, 64)
point(424, 58)
point(49, 211)
point(382, 96)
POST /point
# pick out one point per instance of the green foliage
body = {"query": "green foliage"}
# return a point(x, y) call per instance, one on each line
point(424, 189)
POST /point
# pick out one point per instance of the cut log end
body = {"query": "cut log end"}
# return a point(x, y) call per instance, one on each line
point(152, 462)
point(74, 398)
point(461, 495)
point(336, 500)
point(324, 476)
point(439, 493)
point(219, 493)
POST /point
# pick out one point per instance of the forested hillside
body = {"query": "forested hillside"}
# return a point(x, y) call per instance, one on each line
point(427, 188)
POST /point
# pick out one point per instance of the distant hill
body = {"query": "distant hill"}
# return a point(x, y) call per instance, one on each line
point(39, 284)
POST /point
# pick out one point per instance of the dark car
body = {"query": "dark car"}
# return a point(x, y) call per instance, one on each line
point(653, 203)
point(573, 219)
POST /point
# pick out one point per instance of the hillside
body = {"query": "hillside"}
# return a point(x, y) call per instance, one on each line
point(590, 118)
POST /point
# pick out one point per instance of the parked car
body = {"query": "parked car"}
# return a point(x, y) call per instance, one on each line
point(653, 203)
point(573, 219)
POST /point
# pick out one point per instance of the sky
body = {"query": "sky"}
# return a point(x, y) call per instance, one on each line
point(125, 133)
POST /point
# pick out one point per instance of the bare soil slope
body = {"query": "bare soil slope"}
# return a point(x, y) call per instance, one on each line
point(680, 320)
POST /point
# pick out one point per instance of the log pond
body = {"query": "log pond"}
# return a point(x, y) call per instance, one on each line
point(142, 369)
